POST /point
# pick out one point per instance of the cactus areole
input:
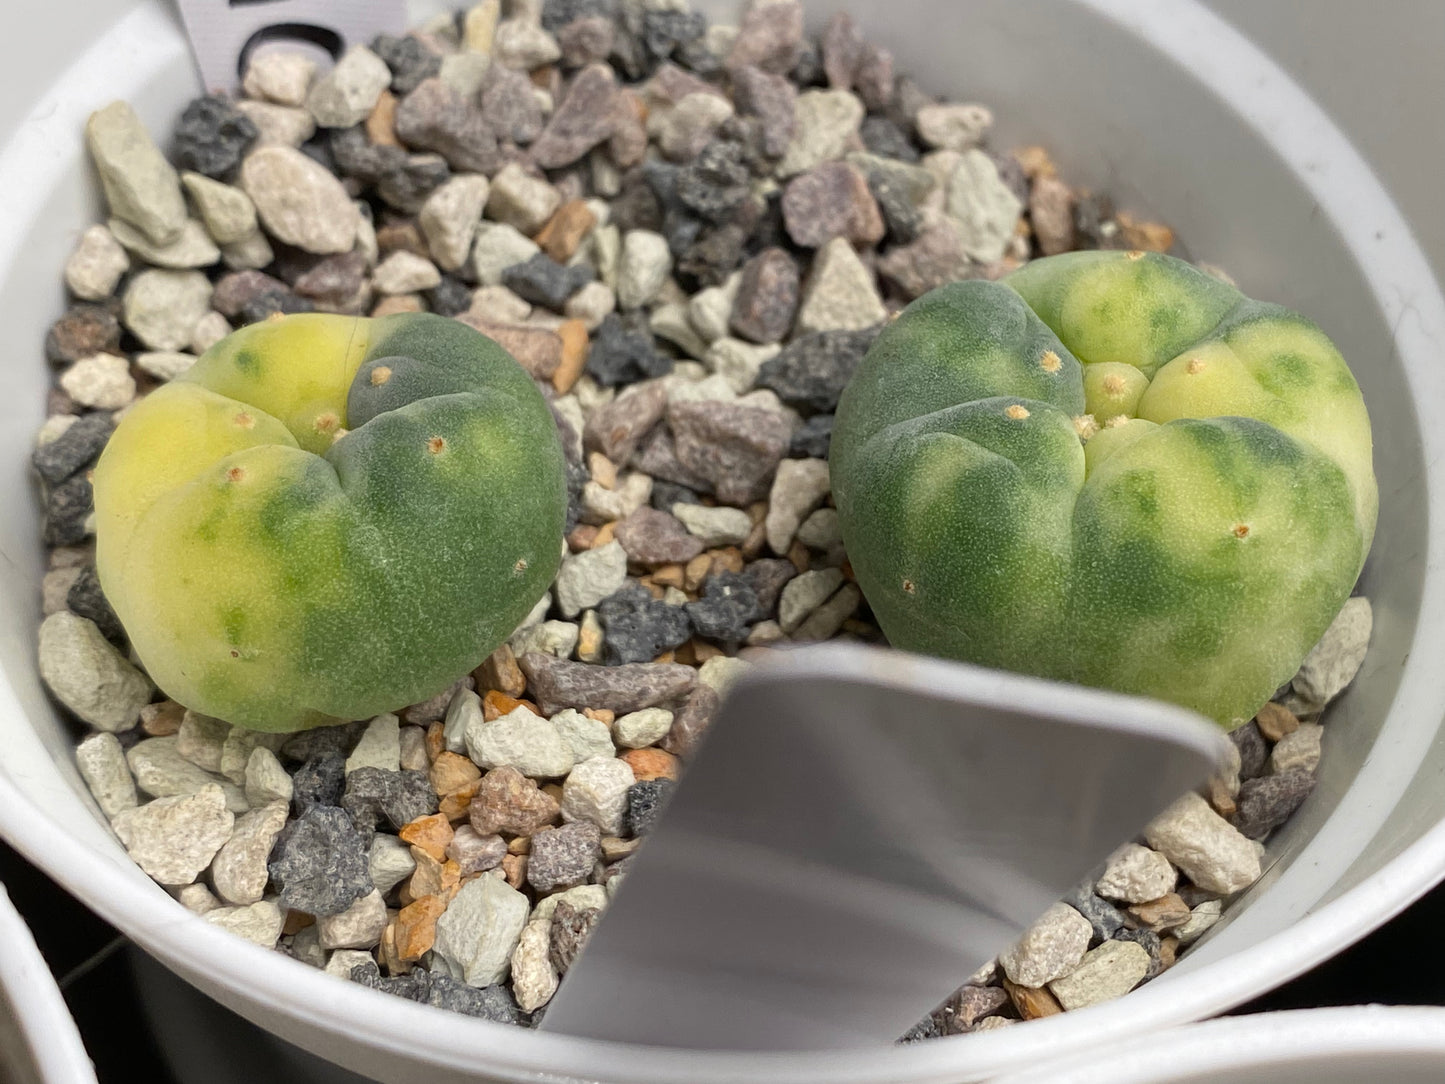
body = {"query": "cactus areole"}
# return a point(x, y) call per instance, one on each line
point(329, 517)
point(1110, 469)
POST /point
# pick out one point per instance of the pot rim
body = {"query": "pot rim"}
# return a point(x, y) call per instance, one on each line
point(28, 992)
point(1292, 1039)
point(1263, 96)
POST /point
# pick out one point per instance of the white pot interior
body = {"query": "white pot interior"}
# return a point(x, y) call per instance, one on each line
point(1160, 104)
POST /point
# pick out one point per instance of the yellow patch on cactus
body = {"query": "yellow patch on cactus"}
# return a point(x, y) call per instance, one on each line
point(329, 517)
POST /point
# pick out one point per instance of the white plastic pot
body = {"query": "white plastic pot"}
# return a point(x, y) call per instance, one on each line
point(1307, 1046)
point(1156, 101)
point(38, 1040)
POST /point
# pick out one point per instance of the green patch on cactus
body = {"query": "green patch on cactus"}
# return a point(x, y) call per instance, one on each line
point(327, 517)
point(1109, 469)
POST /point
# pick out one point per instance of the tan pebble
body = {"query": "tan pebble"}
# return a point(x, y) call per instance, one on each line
point(582, 537)
point(452, 771)
point(416, 927)
point(605, 534)
point(669, 576)
point(381, 124)
point(1032, 1002)
point(702, 651)
point(457, 805)
point(1145, 236)
point(388, 958)
point(1168, 952)
point(575, 348)
point(602, 469)
point(757, 538)
point(602, 715)
point(433, 878)
point(615, 848)
point(163, 719)
point(536, 349)
point(399, 303)
point(1035, 161)
point(501, 672)
point(1275, 721)
point(436, 741)
point(565, 230)
point(726, 559)
point(651, 764)
point(1165, 913)
point(520, 845)
point(431, 833)
point(1220, 798)
point(515, 868)
point(590, 638)
point(798, 554)
point(696, 571)
point(553, 791)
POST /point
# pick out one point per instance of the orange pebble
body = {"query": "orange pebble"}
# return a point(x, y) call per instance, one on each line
point(575, 348)
point(495, 704)
point(452, 771)
point(431, 833)
point(651, 764)
point(416, 927)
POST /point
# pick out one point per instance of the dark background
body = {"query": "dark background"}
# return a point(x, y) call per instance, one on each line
point(1386, 967)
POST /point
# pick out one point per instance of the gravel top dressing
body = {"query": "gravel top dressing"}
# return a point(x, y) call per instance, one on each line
point(688, 235)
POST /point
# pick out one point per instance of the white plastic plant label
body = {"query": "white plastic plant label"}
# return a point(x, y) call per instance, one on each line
point(224, 33)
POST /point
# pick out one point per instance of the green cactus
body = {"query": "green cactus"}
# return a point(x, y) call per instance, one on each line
point(1109, 469)
point(329, 517)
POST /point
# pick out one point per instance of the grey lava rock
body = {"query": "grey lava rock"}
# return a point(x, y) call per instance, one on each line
point(449, 297)
point(409, 60)
point(400, 797)
point(320, 781)
point(544, 281)
point(494, 1003)
point(321, 863)
point(645, 802)
point(77, 447)
point(639, 627)
point(811, 372)
point(813, 440)
point(322, 740)
point(87, 599)
point(213, 136)
point(67, 510)
point(1103, 916)
point(726, 610)
point(623, 352)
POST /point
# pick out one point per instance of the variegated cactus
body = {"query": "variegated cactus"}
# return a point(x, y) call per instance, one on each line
point(329, 517)
point(1111, 469)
